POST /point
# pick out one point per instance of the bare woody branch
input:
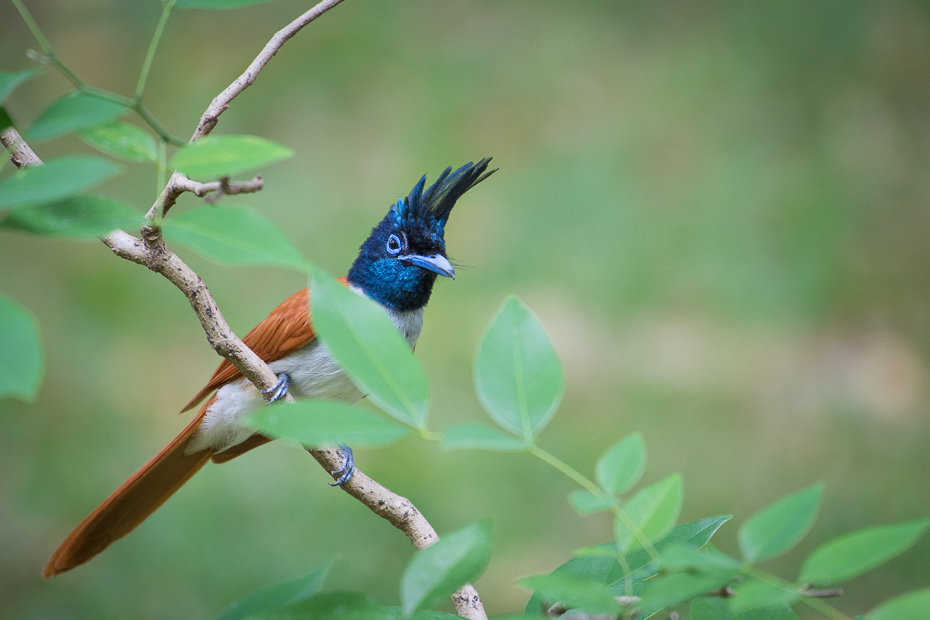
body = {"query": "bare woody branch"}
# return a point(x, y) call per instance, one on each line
point(152, 252)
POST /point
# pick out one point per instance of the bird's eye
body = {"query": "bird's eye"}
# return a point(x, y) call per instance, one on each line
point(393, 244)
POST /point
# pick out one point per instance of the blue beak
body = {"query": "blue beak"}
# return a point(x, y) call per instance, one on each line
point(437, 263)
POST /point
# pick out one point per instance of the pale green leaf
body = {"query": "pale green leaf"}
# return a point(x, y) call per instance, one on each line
point(73, 111)
point(57, 179)
point(672, 589)
point(277, 595)
point(855, 553)
point(367, 344)
point(439, 570)
point(622, 465)
point(77, 217)
point(479, 437)
point(234, 236)
point(755, 594)
point(711, 608)
point(121, 140)
point(574, 592)
point(777, 528)
point(653, 510)
point(518, 375)
point(22, 363)
point(912, 606)
point(9, 80)
point(317, 423)
point(586, 503)
point(220, 156)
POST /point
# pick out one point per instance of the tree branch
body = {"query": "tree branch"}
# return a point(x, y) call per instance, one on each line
point(152, 252)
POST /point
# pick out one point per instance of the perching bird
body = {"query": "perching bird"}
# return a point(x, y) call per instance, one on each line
point(396, 266)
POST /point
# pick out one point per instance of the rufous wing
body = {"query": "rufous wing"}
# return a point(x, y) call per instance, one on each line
point(282, 332)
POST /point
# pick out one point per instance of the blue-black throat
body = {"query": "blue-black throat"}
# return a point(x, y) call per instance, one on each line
point(399, 262)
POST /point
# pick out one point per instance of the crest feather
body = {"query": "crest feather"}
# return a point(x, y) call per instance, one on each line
point(436, 202)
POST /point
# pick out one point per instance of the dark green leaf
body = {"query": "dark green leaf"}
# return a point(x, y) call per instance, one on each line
point(653, 510)
point(219, 156)
point(711, 608)
point(853, 554)
point(316, 423)
point(436, 572)
point(9, 80)
point(587, 503)
point(73, 111)
point(21, 359)
point(518, 376)
point(622, 465)
point(693, 534)
point(913, 606)
point(330, 606)
point(234, 236)
point(777, 528)
point(479, 437)
point(121, 140)
point(756, 594)
point(773, 613)
point(57, 179)
point(672, 589)
point(216, 4)
point(573, 592)
point(5, 121)
point(367, 344)
point(277, 595)
point(78, 217)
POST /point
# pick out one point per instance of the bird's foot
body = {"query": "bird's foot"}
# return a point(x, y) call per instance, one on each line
point(278, 390)
point(348, 466)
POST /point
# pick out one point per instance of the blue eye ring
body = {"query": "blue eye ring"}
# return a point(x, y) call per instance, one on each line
point(394, 245)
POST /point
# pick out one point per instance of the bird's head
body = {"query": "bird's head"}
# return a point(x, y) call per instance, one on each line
point(398, 263)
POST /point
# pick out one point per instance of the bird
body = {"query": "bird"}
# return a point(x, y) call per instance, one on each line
point(396, 266)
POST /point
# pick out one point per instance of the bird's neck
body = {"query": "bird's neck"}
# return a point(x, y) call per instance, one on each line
point(399, 292)
point(408, 322)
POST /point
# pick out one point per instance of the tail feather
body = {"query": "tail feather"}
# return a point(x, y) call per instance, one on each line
point(133, 502)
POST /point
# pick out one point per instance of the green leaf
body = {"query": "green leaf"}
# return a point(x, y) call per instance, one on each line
point(277, 595)
point(121, 140)
point(479, 437)
point(693, 534)
point(687, 557)
point(586, 503)
point(73, 111)
point(21, 361)
point(622, 465)
point(57, 179)
point(234, 236)
point(219, 156)
point(396, 613)
point(756, 594)
point(518, 376)
point(574, 592)
point(773, 613)
point(712, 608)
point(858, 552)
point(777, 528)
point(367, 344)
point(654, 510)
point(673, 589)
point(436, 572)
point(78, 217)
point(330, 606)
point(913, 606)
point(216, 4)
point(9, 80)
point(5, 121)
point(318, 422)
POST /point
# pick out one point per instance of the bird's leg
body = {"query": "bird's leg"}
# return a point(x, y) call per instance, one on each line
point(347, 468)
point(278, 390)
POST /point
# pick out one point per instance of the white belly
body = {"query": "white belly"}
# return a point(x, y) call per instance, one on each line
point(313, 374)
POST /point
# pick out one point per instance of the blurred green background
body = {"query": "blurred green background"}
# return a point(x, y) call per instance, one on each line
point(718, 209)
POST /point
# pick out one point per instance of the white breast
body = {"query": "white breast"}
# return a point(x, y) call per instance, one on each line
point(313, 373)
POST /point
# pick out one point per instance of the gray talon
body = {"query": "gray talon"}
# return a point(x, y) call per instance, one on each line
point(278, 390)
point(348, 466)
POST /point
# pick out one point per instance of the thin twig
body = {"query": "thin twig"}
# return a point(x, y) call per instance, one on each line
point(20, 154)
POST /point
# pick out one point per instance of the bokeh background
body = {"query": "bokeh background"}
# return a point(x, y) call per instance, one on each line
point(718, 209)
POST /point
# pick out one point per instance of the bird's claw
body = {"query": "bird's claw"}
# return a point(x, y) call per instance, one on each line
point(278, 390)
point(347, 469)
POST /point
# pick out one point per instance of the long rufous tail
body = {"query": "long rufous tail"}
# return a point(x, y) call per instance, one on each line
point(132, 503)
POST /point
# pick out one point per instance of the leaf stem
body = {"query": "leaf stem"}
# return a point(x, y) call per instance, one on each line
point(593, 489)
point(34, 28)
point(150, 55)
